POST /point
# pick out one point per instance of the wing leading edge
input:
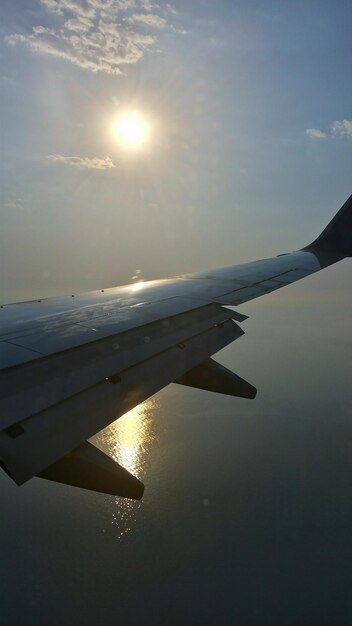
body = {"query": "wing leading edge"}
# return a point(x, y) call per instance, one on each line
point(70, 366)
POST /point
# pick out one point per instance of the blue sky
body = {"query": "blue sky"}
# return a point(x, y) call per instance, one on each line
point(250, 152)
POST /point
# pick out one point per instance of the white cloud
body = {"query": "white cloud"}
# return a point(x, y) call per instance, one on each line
point(84, 162)
point(78, 24)
point(342, 128)
point(338, 128)
point(171, 9)
point(149, 6)
point(148, 19)
point(97, 35)
point(85, 8)
point(315, 133)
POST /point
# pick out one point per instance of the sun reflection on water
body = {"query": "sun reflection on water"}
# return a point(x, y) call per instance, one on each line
point(128, 441)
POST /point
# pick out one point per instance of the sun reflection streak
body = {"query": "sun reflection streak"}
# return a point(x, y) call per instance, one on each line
point(129, 439)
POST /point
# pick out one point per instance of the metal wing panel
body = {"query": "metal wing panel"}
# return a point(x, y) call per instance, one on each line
point(265, 269)
point(25, 317)
point(60, 324)
point(49, 334)
point(262, 277)
point(32, 388)
point(13, 355)
point(54, 337)
point(240, 295)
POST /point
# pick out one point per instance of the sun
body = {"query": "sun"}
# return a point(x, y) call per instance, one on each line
point(132, 129)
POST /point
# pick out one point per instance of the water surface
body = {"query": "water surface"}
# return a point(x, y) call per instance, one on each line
point(247, 514)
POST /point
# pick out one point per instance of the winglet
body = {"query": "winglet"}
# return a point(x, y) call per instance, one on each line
point(337, 236)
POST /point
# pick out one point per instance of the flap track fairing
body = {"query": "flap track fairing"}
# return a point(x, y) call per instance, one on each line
point(211, 376)
point(89, 468)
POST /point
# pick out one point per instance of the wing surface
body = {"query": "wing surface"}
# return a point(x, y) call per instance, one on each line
point(69, 366)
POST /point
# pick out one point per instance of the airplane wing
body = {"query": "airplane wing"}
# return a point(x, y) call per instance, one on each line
point(69, 366)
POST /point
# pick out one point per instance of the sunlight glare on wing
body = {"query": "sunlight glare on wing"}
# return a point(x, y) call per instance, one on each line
point(137, 286)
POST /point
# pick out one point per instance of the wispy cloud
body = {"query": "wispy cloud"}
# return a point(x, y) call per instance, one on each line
point(338, 128)
point(17, 203)
point(148, 19)
point(315, 133)
point(97, 35)
point(94, 163)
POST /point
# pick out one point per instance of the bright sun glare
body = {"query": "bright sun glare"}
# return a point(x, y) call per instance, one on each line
point(132, 130)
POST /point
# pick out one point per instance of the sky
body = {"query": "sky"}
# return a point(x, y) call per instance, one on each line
point(250, 136)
